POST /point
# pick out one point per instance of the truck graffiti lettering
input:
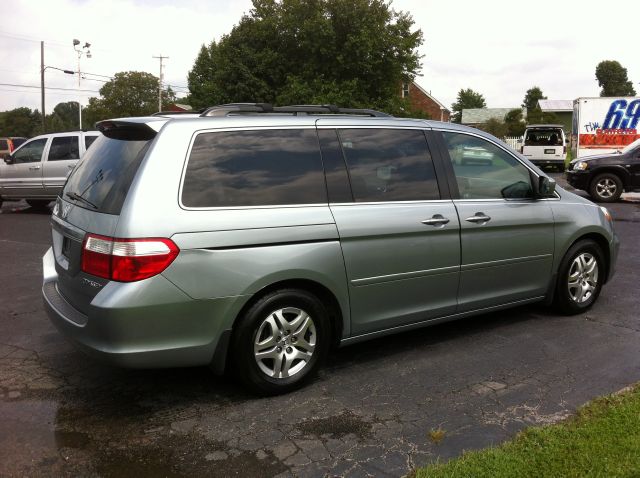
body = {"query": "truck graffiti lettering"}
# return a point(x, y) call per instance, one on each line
point(591, 126)
point(622, 115)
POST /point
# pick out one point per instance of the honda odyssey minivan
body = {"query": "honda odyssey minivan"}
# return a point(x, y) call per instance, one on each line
point(255, 239)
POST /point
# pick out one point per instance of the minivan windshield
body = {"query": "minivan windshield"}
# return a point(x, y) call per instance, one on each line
point(543, 137)
point(103, 177)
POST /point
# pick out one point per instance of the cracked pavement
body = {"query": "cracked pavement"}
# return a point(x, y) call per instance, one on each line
point(373, 410)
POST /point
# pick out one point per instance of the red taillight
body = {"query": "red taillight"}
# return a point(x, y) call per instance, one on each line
point(126, 260)
point(11, 147)
point(564, 149)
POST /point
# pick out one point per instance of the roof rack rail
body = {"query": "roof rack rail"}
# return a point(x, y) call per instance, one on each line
point(171, 113)
point(231, 108)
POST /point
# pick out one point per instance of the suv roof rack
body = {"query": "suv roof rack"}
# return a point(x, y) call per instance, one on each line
point(171, 113)
point(231, 108)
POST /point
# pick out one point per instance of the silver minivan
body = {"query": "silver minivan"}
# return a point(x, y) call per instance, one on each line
point(254, 239)
point(37, 170)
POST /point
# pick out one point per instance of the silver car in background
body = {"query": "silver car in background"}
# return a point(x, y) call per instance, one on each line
point(254, 238)
point(37, 170)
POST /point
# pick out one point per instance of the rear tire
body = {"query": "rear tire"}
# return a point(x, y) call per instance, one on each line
point(580, 277)
point(606, 187)
point(280, 341)
point(38, 203)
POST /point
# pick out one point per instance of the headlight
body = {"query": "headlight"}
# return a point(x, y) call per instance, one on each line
point(580, 166)
point(606, 213)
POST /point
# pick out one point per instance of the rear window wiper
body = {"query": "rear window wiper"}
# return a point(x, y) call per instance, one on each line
point(77, 197)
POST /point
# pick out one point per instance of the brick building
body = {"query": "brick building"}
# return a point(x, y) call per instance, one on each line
point(421, 100)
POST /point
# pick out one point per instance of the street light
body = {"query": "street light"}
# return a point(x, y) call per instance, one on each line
point(84, 50)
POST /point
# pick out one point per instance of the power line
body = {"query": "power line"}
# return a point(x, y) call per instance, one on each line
point(47, 87)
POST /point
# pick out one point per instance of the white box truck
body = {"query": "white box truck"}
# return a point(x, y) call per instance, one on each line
point(604, 125)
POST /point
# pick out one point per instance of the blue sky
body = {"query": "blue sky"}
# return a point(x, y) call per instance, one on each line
point(497, 47)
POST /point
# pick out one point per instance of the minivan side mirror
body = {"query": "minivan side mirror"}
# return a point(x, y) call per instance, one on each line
point(546, 187)
point(9, 159)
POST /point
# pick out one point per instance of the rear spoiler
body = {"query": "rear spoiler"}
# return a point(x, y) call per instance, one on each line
point(126, 130)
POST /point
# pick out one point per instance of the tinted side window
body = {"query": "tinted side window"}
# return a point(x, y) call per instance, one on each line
point(254, 168)
point(88, 141)
point(389, 165)
point(484, 171)
point(64, 148)
point(30, 152)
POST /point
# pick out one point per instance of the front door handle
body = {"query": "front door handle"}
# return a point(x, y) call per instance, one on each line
point(436, 220)
point(34, 168)
point(479, 218)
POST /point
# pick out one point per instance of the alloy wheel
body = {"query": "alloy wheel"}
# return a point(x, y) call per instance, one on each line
point(606, 188)
point(285, 342)
point(583, 277)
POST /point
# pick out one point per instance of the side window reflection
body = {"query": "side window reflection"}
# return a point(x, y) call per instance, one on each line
point(484, 171)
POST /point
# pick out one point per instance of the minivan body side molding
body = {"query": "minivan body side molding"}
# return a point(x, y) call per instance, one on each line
point(269, 244)
point(437, 320)
point(404, 275)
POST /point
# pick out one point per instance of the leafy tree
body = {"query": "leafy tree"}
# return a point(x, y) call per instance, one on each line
point(129, 93)
point(64, 117)
point(354, 53)
point(466, 99)
point(612, 77)
point(20, 122)
point(495, 127)
point(531, 98)
point(515, 123)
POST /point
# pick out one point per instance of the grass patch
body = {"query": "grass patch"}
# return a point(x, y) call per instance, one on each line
point(602, 439)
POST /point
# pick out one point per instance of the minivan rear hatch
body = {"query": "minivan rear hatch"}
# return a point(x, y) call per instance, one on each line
point(92, 199)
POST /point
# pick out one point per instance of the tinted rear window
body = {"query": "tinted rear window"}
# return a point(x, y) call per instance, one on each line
point(104, 175)
point(543, 137)
point(64, 148)
point(254, 168)
point(389, 165)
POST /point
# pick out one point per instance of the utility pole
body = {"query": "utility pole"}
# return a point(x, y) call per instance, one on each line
point(42, 83)
point(160, 81)
point(84, 50)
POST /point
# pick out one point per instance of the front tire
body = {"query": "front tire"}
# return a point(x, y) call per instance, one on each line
point(606, 187)
point(580, 277)
point(280, 341)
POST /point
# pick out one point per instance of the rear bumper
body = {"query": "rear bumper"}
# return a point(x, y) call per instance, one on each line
point(547, 162)
point(578, 179)
point(123, 327)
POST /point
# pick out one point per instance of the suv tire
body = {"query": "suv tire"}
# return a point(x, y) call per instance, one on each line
point(580, 277)
point(280, 341)
point(606, 187)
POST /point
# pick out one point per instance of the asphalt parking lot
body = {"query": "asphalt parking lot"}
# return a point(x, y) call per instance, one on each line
point(369, 412)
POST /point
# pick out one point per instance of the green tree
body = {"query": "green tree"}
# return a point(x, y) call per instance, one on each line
point(129, 93)
point(515, 123)
point(495, 127)
point(354, 53)
point(531, 98)
point(466, 99)
point(64, 117)
point(612, 77)
point(20, 122)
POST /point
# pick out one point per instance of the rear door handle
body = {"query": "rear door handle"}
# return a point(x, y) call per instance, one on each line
point(478, 218)
point(436, 220)
point(34, 168)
